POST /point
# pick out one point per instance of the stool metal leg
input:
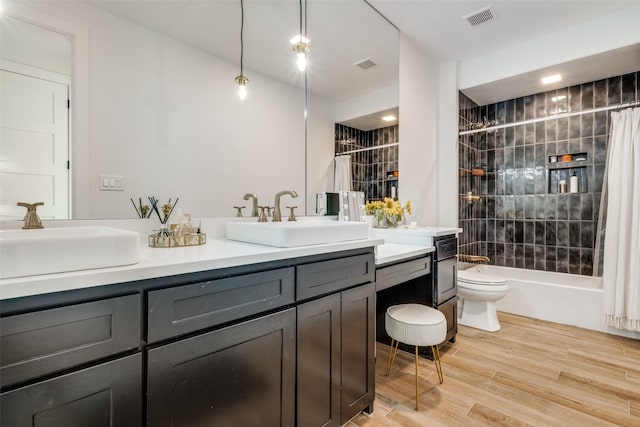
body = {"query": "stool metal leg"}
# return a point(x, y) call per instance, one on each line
point(392, 355)
point(416, 378)
point(436, 361)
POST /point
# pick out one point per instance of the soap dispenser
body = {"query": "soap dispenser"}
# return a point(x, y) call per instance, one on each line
point(573, 184)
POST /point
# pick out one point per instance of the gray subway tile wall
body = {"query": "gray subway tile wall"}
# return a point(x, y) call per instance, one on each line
point(521, 221)
point(370, 168)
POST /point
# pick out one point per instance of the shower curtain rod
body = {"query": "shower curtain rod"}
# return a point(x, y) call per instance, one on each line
point(557, 116)
point(392, 144)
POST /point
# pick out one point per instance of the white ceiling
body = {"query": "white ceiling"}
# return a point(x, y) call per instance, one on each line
point(439, 30)
point(345, 31)
point(342, 32)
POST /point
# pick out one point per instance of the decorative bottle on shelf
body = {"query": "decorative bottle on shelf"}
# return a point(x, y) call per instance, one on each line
point(562, 186)
point(573, 184)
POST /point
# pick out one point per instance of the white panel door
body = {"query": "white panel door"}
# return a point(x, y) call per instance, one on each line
point(34, 146)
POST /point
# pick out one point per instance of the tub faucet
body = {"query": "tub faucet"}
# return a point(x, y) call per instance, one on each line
point(254, 209)
point(31, 219)
point(277, 214)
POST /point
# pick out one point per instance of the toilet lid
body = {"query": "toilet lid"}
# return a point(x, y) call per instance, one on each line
point(473, 276)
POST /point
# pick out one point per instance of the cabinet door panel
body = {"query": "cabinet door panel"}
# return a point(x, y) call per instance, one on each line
point(358, 346)
point(46, 341)
point(106, 395)
point(318, 362)
point(185, 309)
point(242, 375)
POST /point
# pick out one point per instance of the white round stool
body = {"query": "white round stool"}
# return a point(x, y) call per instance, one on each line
point(417, 325)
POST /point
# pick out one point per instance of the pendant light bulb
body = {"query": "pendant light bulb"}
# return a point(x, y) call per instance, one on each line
point(302, 61)
point(301, 48)
point(242, 81)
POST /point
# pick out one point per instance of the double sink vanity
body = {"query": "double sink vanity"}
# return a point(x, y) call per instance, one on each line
point(231, 333)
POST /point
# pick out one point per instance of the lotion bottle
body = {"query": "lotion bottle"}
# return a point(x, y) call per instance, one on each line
point(573, 184)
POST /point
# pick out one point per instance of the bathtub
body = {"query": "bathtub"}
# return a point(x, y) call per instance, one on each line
point(568, 299)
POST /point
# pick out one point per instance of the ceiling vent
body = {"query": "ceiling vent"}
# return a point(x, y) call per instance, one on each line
point(365, 63)
point(482, 16)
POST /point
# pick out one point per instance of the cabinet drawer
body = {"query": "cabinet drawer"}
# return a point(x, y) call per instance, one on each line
point(330, 276)
point(46, 341)
point(395, 274)
point(184, 309)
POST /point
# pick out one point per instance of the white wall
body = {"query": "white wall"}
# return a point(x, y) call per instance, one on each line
point(447, 202)
point(167, 117)
point(320, 148)
point(372, 102)
point(418, 96)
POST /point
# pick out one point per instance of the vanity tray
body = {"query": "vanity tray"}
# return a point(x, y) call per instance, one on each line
point(170, 241)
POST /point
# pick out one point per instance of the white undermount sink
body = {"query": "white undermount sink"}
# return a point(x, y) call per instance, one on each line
point(57, 250)
point(296, 233)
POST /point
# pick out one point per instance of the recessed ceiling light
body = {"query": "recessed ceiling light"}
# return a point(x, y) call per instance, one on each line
point(551, 79)
point(389, 118)
point(558, 98)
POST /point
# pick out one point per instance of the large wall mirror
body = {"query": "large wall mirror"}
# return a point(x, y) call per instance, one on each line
point(154, 106)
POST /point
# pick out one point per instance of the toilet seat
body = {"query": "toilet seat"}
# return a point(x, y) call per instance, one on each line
point(473, 277)
point(483, 287)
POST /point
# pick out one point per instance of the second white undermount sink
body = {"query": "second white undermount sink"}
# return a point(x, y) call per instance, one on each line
point(296, 233)
point(64, 249)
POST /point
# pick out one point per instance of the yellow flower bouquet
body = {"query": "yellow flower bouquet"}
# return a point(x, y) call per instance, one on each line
point(388, 212)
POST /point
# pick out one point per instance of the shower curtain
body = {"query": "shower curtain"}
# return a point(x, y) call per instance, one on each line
point(621, 199)
point(342, 174)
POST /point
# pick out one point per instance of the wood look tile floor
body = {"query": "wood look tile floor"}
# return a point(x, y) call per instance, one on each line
point(530, 373)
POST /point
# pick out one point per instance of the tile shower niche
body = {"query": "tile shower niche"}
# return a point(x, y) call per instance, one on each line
point(558, 171)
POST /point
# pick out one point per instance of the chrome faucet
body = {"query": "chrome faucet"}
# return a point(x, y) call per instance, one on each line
point(277, 214)
point(254, 210)
point(31, 219)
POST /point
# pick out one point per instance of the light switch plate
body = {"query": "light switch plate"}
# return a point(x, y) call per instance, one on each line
point(111, 183)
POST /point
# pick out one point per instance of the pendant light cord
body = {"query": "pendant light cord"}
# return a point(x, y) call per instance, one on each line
point(301, 21)
point(241, 35)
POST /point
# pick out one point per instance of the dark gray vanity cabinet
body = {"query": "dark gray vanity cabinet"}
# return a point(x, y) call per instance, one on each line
point(241, 375)
point(336, 359)
point(251, 345)
point(108, 394)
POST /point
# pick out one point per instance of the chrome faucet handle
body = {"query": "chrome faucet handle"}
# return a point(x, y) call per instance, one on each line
point(31, 219)
point(263, 215)
point(292, 215)
point(239, 212)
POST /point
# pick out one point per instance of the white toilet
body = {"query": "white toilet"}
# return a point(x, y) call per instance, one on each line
point(478, 293)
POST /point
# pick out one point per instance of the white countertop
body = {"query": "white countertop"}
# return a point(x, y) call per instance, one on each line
point(391, 252)
point(408, 235)
point(399, 243)
point(161, 262)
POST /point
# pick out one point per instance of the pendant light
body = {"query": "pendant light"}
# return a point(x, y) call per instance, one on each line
point(242, 80)
point(301, 42)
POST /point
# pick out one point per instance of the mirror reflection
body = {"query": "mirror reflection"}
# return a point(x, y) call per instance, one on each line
point(155, 110)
